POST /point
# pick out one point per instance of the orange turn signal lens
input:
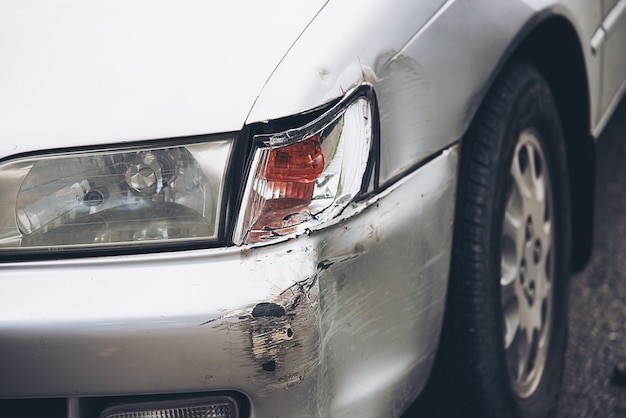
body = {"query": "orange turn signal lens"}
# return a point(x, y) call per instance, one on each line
point(291, 171)
point(302, 162)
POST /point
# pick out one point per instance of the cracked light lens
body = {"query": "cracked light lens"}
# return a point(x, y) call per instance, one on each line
point(302, 177)
point(117, 197)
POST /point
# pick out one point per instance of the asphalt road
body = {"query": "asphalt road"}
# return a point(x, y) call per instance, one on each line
point(597, 318)
point(597, 325)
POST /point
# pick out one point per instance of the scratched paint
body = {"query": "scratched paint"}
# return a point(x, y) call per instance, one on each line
point(356, 335)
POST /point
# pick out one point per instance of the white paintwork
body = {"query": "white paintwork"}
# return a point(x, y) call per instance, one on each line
point(80, 73)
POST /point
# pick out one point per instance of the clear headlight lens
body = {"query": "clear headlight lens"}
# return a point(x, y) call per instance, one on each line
point(304, 176)
point(114, 197)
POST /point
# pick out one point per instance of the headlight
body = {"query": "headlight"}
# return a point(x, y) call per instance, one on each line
point(301, 177)
point(114, 197)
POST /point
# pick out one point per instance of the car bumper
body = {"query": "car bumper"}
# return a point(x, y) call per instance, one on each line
point(340, 321)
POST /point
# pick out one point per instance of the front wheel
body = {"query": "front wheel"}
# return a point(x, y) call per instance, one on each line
point(506, 322)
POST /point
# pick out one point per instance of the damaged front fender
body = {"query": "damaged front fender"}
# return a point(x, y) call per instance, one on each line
point(359, 333)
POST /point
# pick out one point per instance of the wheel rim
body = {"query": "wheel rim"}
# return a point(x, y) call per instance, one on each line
point(527, 265)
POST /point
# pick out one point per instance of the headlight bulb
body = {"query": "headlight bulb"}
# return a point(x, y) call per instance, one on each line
point(145, 175)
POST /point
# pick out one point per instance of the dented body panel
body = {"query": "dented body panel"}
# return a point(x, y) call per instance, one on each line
point(302, 327)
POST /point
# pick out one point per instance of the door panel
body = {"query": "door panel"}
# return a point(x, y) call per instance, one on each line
point(614, 51)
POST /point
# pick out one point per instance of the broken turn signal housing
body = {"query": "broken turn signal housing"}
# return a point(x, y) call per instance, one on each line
point(304, 176)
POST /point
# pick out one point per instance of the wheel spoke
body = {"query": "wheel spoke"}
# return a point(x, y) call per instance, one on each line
point(510, 251)
point(518, 354)
point(544, 284)
point(545, 234)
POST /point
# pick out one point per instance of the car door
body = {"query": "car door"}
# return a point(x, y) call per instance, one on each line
point(612, 47)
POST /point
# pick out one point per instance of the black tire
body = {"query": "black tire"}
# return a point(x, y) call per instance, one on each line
point(498, 265)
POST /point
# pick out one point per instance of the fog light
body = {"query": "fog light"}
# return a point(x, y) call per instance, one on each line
point(214, 407)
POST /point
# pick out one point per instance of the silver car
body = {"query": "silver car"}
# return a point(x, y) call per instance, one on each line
point(290, 209)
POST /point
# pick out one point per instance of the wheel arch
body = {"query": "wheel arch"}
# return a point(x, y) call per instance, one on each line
point(556, 51)
point(553, 47)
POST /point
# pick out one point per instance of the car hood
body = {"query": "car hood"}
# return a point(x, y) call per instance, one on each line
point(78, 73)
